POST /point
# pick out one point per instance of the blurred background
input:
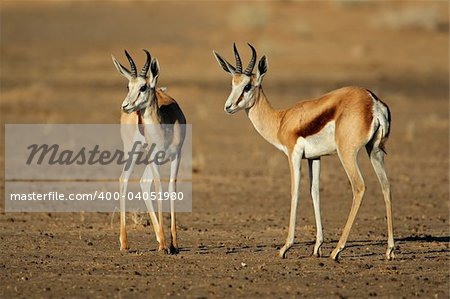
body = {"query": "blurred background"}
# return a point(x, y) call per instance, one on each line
point(56, 67)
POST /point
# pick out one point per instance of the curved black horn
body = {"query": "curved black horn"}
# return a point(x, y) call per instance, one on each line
point(146, 66)
point(132, 64)
point(238, 60)
point(248, 71)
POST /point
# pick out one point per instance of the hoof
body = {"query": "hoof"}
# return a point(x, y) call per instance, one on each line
point(390, 254)
point(283, 250)
point(163, 248)
point(318, 252)
point(335, 254)
point(163, 251)
point(123, 246)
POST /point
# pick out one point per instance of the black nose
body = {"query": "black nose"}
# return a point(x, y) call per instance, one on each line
point(228, 108)
point(125, 106)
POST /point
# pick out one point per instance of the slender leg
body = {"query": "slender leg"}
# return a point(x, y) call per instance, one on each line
point(146, 186)
point(348, 158)
point(174, 165)
point(377, 159)
point(158, 189)
point(314, 173)
point(294, 165)
point(123, 191)
point(124, 177)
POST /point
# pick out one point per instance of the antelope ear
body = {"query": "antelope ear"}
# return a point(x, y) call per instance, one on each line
point(227, 67)
point(154, 69)
point(262, 69)
point(121, 69)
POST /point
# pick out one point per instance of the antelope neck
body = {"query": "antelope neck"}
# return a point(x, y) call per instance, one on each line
point(140, 113)
point(264, 118)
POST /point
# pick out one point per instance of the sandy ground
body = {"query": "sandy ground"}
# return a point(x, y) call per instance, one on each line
point(56, 68)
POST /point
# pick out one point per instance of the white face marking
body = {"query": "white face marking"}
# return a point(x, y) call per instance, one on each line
point(138, 94)
point(232, 105)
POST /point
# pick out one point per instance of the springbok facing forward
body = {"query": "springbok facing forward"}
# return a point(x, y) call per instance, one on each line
point(147, 105)
point(343, 120)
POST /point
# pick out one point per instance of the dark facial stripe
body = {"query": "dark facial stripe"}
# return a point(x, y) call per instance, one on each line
point(241, 97)
point(317, 123)
point(137, 98)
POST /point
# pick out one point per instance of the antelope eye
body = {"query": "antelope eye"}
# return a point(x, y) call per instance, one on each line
point(247, 87)
point(143, 88)
point(128, 87)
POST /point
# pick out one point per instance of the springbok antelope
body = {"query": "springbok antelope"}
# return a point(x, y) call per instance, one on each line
point(342, 121)
point(148, 114)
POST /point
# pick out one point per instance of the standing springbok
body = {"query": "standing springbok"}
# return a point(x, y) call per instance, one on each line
point(343, 120)
point(148, 114)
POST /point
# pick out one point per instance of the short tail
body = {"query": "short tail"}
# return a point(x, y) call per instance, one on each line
point(385, 127)
point(382, 123)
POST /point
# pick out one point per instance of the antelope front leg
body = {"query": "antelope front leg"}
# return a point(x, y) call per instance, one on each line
point(314, 174)
point(123, 194)
point(146, 186)
point(294, 165)
point(173, 249)
point(157, 181)
point(125, 176)
point(127, 170)
point(123, 231)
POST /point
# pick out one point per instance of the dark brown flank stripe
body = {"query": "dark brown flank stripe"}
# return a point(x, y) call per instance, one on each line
point(318, 123)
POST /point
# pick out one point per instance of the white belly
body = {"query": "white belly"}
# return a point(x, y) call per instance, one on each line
point(320, 144)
